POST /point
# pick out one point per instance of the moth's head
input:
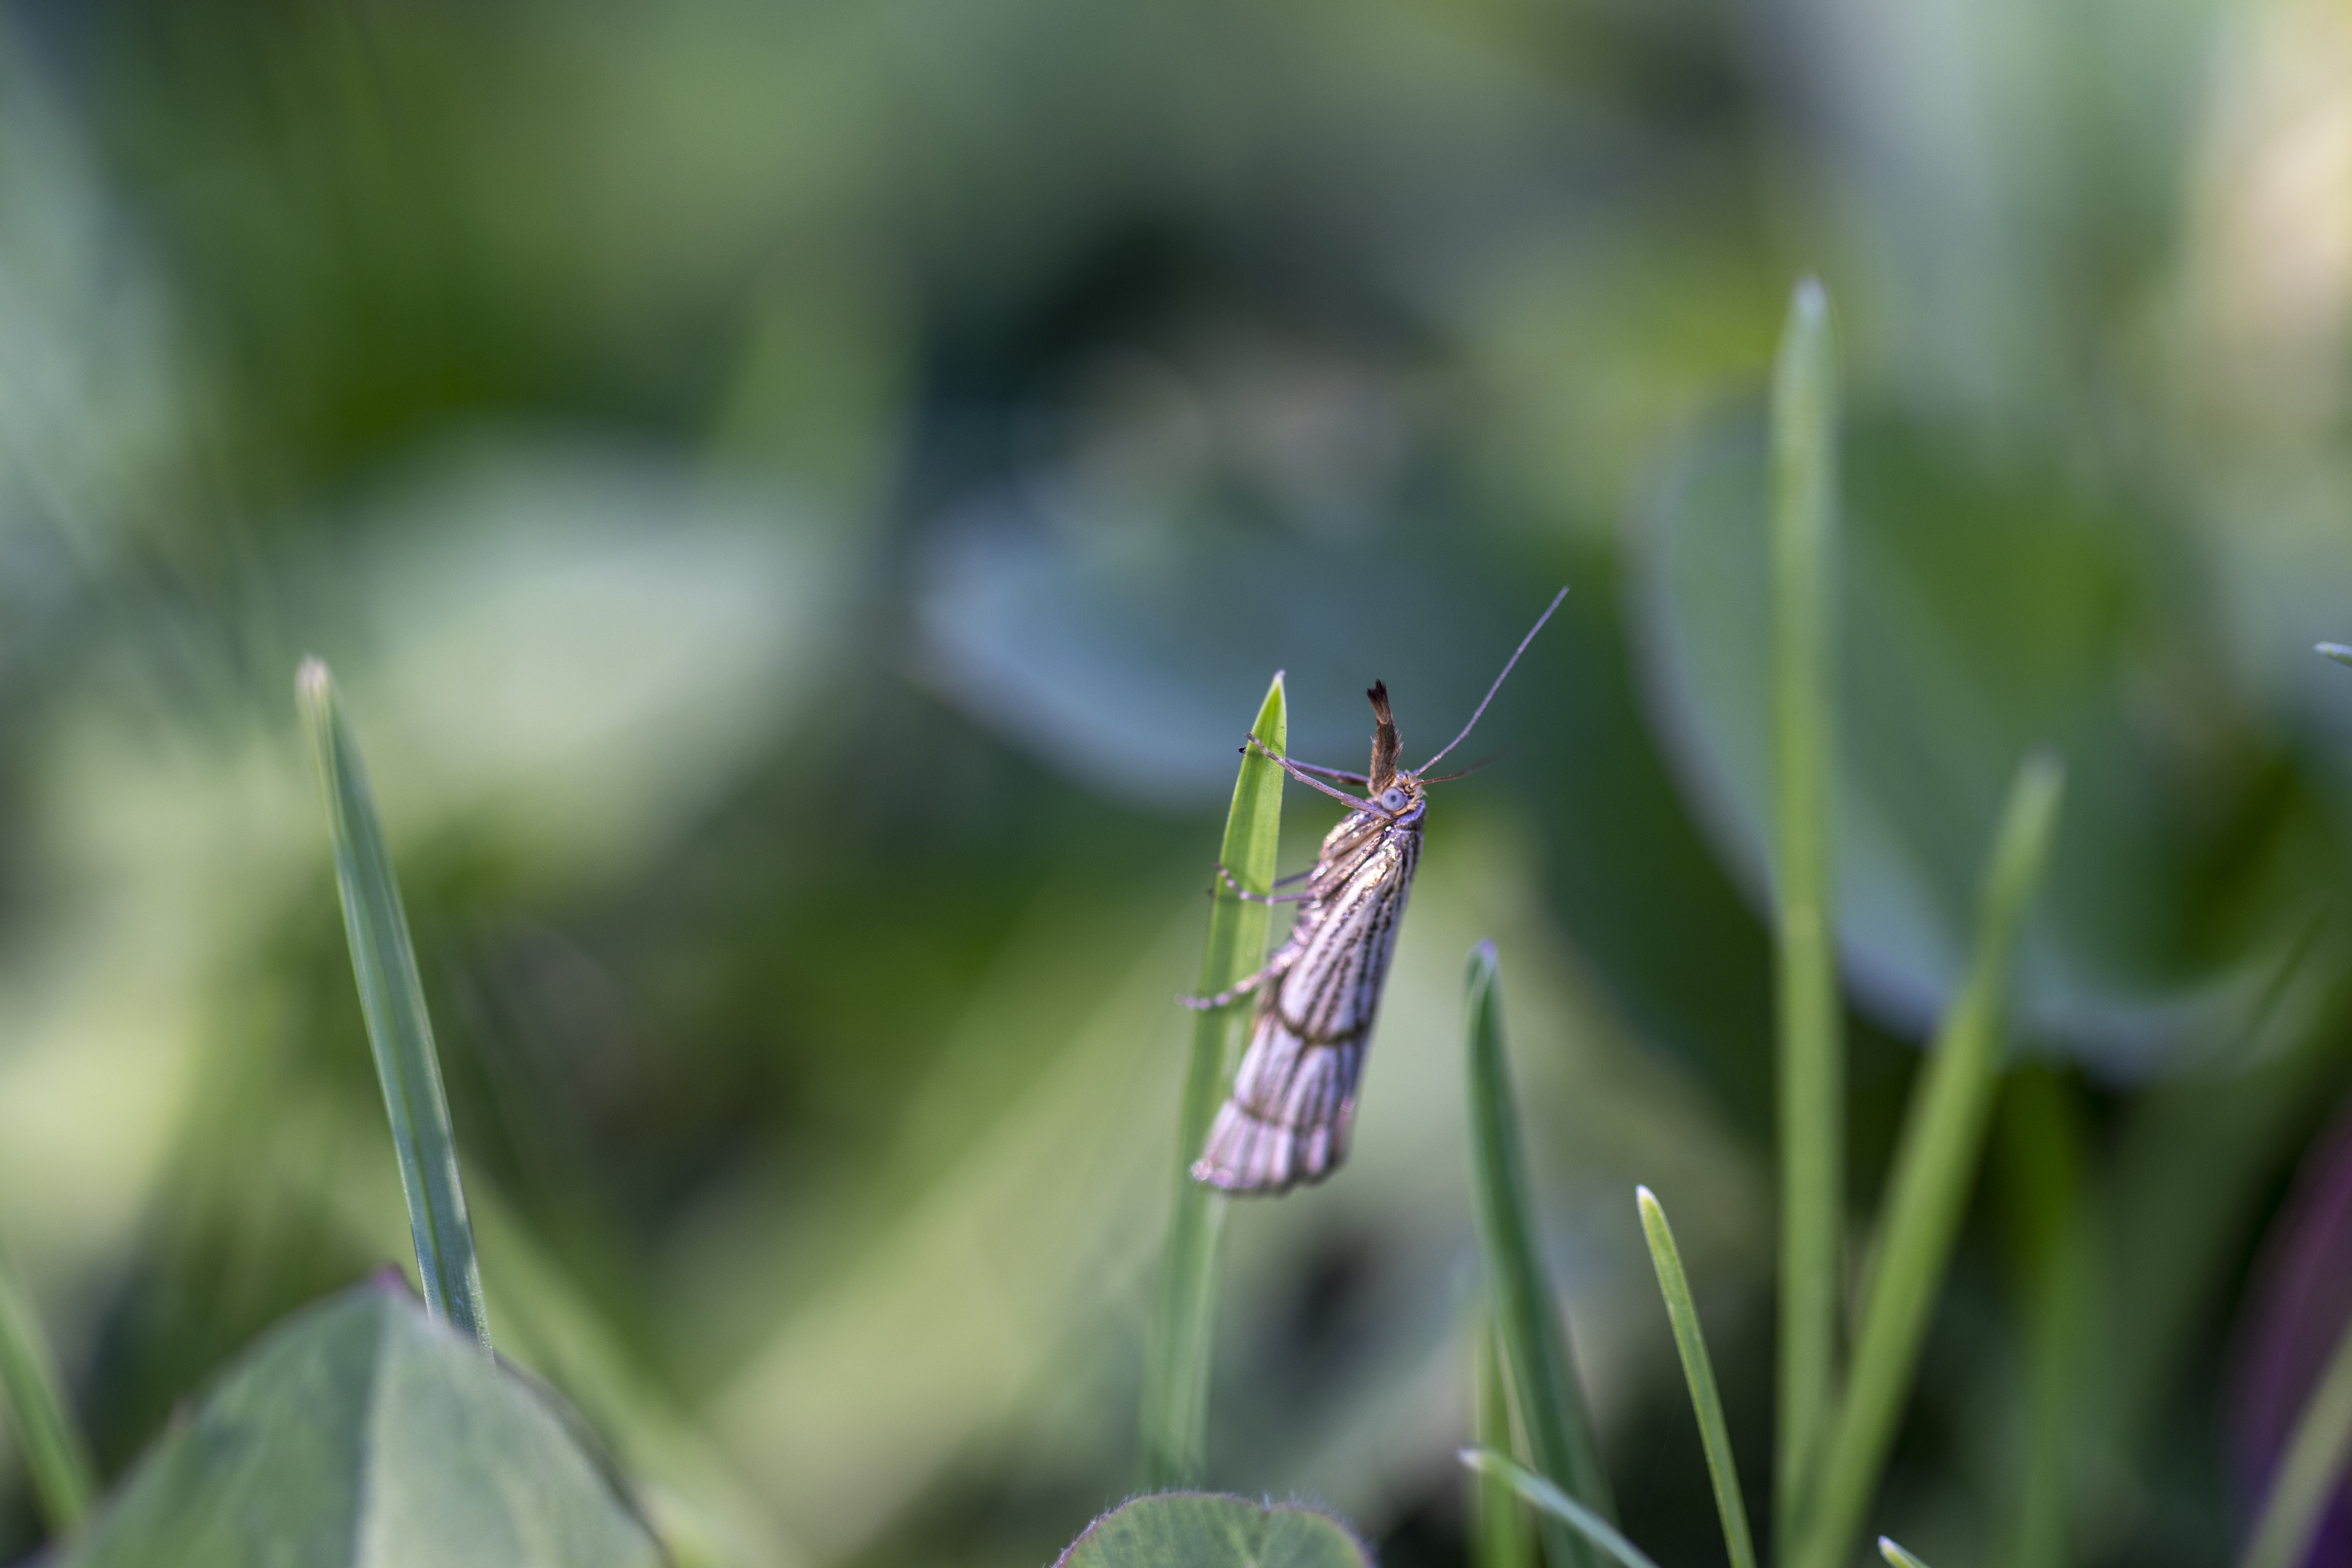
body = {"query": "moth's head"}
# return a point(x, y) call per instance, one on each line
point(1395, 792)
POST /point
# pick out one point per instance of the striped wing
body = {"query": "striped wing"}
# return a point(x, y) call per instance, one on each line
point(1294, 1098)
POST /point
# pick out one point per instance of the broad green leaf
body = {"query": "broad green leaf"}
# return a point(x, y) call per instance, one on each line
point(1544, 1386)
point(399, 1030)
point(1812, 1051)
point(1183, 1334)
point(361, 1433)
point(1204, 1530)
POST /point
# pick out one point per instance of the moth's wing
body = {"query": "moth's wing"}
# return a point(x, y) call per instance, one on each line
point(1293, 1099)
point(1288, 1118)
point(1333, 988)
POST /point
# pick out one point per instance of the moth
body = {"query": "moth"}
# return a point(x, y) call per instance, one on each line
point(1294, 1097)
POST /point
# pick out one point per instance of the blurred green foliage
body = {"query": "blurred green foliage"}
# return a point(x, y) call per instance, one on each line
point(773, 482)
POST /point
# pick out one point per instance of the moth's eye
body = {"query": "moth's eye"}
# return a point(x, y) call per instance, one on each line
point(1393, 800)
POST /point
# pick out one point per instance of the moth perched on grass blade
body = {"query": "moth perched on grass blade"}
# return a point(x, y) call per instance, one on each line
point(1294, 1099)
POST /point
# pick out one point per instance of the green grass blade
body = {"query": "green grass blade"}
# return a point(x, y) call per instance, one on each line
point(1501, 1538)
point(1535, 1350)
point(2334, 650)
point(1182, 1344)
point(1896, 1556)
point(2039, 1160)
point(1713, 1431)
point(1934, 1163)
point(2309, 1471)
point(1812, 1053)
point(1557, 1504)
point(30, 1393)
point(392, 999)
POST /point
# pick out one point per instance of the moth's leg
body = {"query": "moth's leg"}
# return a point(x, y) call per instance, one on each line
point(1245, 894)
point(1239, 988)
point(1340, 774)
point(1294, 876)
point(1310, 779)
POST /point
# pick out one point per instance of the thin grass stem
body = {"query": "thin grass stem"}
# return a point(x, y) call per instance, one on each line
point(2309, 1470)
point(1558, 1505)
point(1896, 1556)
point(400, 1032)
point(1812, 1051)
point(32, 1395)
point(1715, 1432)
point(1528, 1320)
point(1182, 1344)
point(1934, 1163)
point(1502, 1539)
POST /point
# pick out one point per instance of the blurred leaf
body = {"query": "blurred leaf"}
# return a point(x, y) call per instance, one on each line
point(1700, 1372)
point(1896, 1556)
point(1811, 1015)
point(861, 1391)
point(1182, 1349)
point(1936, 1164)
point(1202, 1530)
point(90, 403)
point(570, 649)
point(30, 1394)
point(399, 1029)
point(2002, 604)
point(691, 1493)
point(1546, 1390)
point(1560, 1505)
point(362, 1433)
point(2309, 1471)
point(1119, 646)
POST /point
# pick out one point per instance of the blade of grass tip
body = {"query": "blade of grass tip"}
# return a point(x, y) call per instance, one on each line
point(1811, 1054)
point(1715, 1434)
point(1527, 1322)
point(1502, 1539)
point(1182, 1342)
point(1896, 1556)
point(2310, 1470)
point(31, 1393)
point(1935, 1162)
point(2334, 650)
point(399, 1031)
point(1558, 1505)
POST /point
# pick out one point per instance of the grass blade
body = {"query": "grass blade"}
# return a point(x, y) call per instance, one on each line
point(1560, 1505)
point(29, 1391)
point(1499, 1522)
point(1812, 1053)
point(1535, 1350)
point(400, 1033)
point(1183, 1332)
point(1943, 1138)
point(2039, 1158)
point(2309, 1470)
point(1896, 1556)
point(2334, 650)
point(1713, 1431)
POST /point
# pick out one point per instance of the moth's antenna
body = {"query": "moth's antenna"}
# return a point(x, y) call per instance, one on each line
point(1480, 766)
point(1532, 630)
